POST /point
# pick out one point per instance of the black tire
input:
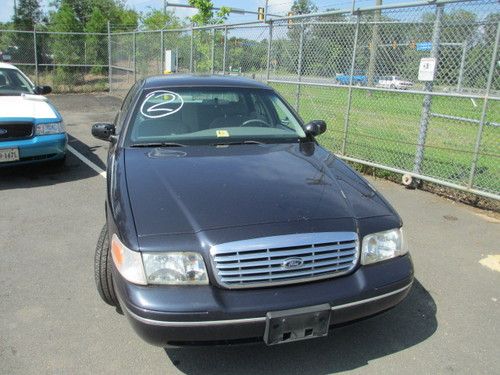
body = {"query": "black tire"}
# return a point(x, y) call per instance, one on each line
point(102, 269)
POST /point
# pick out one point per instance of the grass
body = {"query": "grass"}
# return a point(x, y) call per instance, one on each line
point(384, 128)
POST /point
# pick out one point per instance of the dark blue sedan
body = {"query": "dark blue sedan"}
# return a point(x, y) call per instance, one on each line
point(227, 222)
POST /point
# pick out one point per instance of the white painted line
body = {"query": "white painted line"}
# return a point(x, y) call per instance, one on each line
point(100, 171)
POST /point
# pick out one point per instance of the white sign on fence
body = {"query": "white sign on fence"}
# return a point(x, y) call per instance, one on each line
point(427, 69)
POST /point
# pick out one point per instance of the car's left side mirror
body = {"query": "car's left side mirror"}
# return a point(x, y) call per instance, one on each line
point(103, 131)
point(315, 127)
point(42, 90)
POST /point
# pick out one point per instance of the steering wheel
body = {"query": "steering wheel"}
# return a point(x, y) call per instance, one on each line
point(262, 123)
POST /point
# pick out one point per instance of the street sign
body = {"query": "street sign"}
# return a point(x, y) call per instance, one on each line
point(424, 46)
point(427, 69)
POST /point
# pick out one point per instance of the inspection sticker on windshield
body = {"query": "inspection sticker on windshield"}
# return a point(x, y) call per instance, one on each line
point(161, 103)
point(222, 133)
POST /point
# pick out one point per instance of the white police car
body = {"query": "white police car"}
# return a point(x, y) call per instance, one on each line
point(31, 128)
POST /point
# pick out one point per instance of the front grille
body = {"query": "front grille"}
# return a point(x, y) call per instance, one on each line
point(286, 259)
point(15, 130)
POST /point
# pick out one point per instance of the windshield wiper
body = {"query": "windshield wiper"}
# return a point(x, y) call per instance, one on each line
point(247, 142)
point(158, 144)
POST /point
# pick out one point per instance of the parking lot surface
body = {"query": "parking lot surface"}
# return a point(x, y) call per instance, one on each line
point(53, 321)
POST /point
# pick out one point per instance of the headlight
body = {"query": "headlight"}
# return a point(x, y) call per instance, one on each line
point(382, 245)
point(175, 268)
point(50, 128)
point(127, 262)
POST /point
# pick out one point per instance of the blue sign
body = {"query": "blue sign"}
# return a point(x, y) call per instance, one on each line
point(424, 46)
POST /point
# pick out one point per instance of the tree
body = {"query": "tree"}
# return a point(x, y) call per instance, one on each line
point(303, 7)
point(96, 45)
point(66, 48)
point(28, 14)
point(203, 38)
point(206, 13)
point(158, 20)
point(113, 11)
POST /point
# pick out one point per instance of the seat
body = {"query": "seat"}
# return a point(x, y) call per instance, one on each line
point(233, 114)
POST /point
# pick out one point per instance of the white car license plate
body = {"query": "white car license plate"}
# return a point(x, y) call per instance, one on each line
point(9, 154)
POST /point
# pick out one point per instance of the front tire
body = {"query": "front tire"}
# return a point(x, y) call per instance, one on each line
point(102, 269)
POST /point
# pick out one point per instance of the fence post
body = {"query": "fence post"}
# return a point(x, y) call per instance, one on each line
point(462, 66)
point(427, 102)
point(299, 66)
point(35, 52)
point(192, 50)
point(485, 108)
point(109, 57)
point(224, 52)
point(213, 51)
point(269, 42)
point(349, 94)
point(134, 51)
point(374, 44)
point(162, 49)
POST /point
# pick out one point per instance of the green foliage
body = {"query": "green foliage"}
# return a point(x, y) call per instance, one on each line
point(158, 20)
point(206, 13)
point(97, 11)
point(303, 7)
point(65, 47)
point(28, 14)
point(96, 45)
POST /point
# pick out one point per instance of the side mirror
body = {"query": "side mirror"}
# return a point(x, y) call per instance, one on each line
point(315, 127)
point(42, 90)
point(103, 131)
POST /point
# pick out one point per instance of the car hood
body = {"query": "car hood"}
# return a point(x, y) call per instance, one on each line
point(193, 189)
point(25, 106)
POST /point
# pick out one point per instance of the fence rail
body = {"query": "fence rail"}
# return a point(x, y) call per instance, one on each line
point(357, 69)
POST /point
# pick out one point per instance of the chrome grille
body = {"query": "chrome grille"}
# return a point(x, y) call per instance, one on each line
point(285, 259)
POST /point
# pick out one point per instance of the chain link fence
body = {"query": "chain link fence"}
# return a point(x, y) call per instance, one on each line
point(69, 62)
point(358, 69)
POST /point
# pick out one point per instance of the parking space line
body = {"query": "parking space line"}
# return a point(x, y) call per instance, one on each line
point(100, 171)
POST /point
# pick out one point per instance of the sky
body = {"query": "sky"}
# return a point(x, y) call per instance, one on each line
point(280, 7)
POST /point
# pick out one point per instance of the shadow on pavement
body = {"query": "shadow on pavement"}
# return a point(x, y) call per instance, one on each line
point(346, 348)
point(47, 173)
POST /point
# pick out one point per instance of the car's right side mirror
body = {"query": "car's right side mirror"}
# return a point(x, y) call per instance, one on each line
point(103, 131)
point(315, 127)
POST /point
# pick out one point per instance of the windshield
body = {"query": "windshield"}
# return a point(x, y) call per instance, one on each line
point(182, 116)
point(12, 82)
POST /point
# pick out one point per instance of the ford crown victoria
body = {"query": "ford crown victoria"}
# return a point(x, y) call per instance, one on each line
point(227, 222)
point(31, 128)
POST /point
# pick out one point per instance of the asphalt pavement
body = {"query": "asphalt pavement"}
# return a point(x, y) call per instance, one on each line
point(53, 321)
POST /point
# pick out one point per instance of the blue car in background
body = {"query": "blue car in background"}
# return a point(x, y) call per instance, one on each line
point(359, 78)
point(31, 128)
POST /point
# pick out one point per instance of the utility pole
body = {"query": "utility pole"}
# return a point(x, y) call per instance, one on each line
point(165, 5)
point(15, 9)
point(265, 10)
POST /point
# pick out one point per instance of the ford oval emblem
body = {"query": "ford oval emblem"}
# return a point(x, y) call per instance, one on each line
point(292, 263)
point(3, 131)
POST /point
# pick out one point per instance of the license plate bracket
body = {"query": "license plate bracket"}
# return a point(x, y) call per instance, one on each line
point(9, 154)
point(297, 324)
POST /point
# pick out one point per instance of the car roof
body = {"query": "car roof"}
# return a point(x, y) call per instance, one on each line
point(175, 80)
point(7, 66)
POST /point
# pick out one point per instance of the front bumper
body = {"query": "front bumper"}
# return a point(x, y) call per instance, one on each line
point(164, 315)
point(38, 148)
